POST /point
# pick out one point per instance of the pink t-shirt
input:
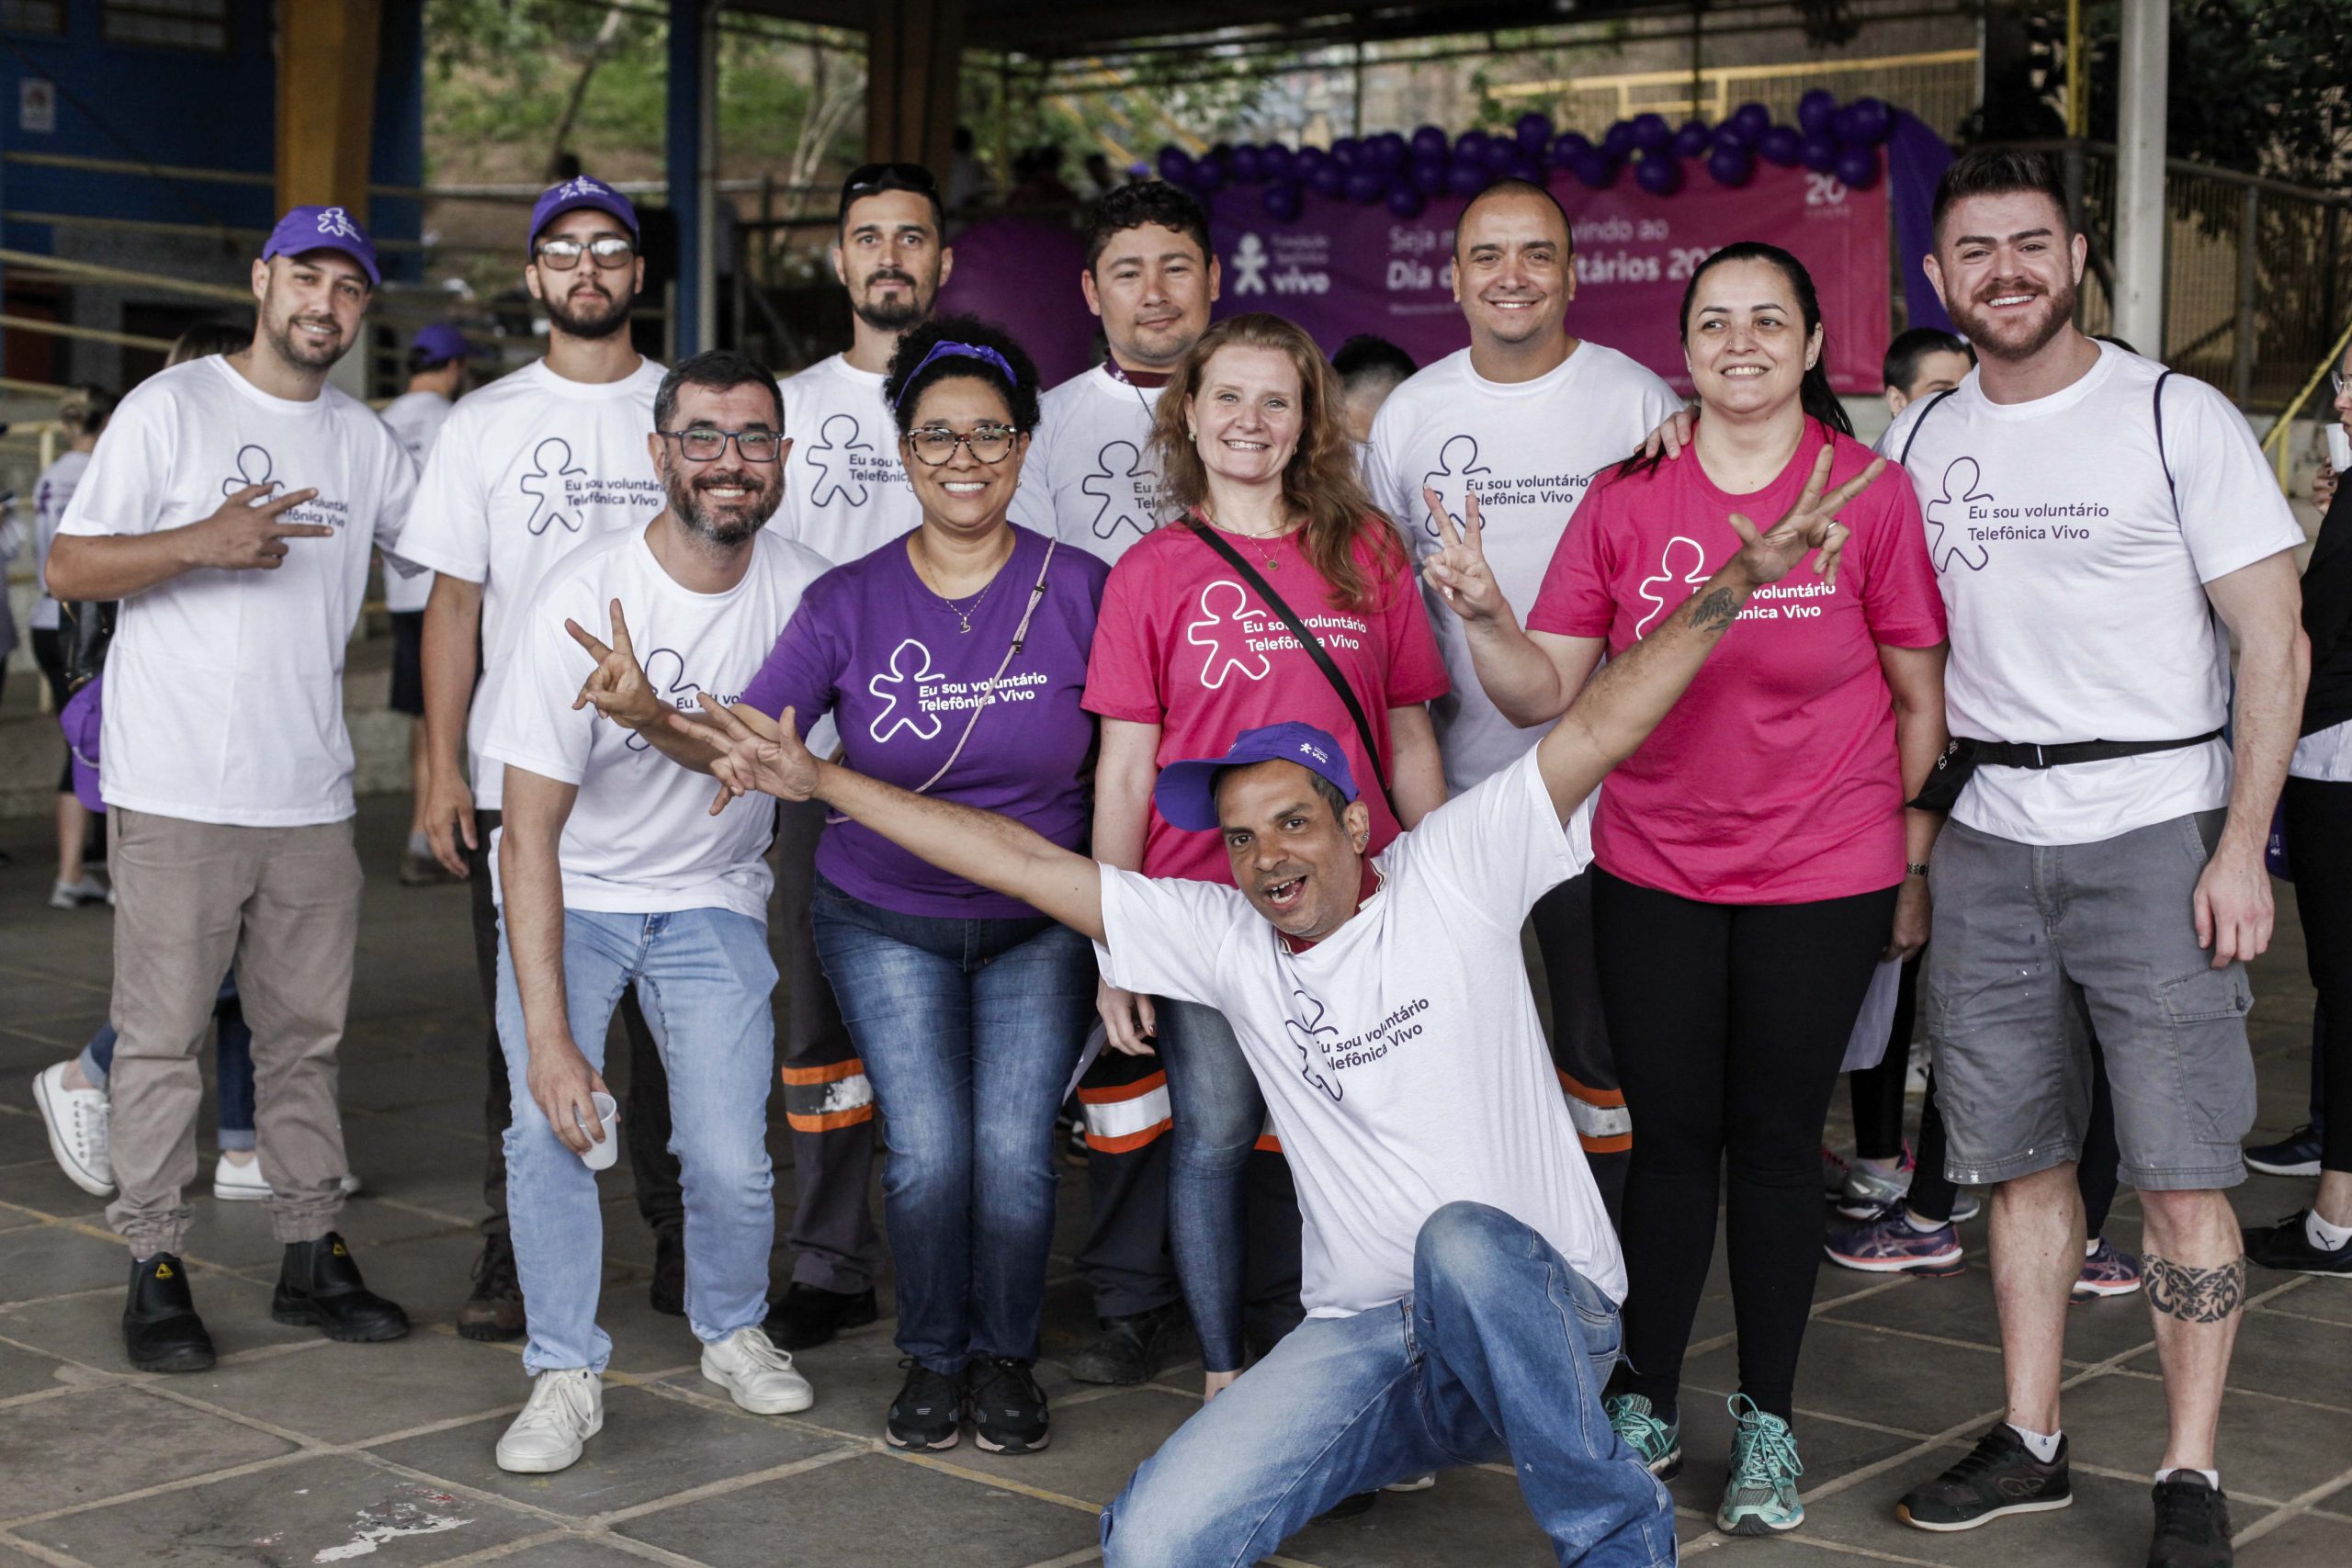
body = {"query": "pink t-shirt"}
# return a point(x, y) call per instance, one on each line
point(1775, 780)
point(1183, 643)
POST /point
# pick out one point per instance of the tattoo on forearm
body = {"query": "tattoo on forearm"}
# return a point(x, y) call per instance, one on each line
point(1716, 610)
point(2195, 1295)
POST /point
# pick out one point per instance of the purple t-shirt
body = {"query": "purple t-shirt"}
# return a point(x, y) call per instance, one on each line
point(890, 662)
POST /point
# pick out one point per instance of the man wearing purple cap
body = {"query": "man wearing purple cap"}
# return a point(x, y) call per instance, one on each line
point(1461, 1280)
point(436, 372)
point(533, 467)
point(231, 509)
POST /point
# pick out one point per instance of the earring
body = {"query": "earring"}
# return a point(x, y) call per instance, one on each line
point(1191, 432)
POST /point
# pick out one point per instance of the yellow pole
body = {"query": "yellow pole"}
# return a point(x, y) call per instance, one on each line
point(2078, 76)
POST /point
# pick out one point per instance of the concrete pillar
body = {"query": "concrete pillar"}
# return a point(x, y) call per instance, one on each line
point(691, 161)
point(2140, 220)
point(915, 53)
point(326, 102)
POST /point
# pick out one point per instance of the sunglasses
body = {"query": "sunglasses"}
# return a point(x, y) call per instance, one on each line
point(563, 254)
point(895, 176)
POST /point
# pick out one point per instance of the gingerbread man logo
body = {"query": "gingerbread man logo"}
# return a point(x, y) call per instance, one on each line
point(1312, 1041)
point(1683, 561)
point(1117, 486)
point(835, 464)
point(1457, 461)
point(254, 467)
point(1225, 633)
point(900, 684)
point(1947, 515)
point(551, 465)
point(665, 671)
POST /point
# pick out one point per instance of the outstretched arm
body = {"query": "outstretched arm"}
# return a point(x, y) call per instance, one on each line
point(767, 755)
point(1529, 677)
point(1624, 702)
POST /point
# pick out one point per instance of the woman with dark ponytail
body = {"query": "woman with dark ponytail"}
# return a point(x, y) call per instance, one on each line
point(1754, 859)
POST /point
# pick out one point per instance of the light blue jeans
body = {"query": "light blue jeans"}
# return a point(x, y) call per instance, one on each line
point(1500, 1353)
point(704, 977)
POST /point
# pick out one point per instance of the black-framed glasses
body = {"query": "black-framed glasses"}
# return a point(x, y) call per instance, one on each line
point(705, 445)
point(561, 254)
point(936, 445)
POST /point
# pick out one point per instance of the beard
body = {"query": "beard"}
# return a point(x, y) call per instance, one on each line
point(2000, 338)
point(592, 318)
point(300, 351)
point(893, 315)
point(738, 521)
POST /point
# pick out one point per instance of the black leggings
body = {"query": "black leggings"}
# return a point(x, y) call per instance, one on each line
point(2319, 840)
point(1728, 1022)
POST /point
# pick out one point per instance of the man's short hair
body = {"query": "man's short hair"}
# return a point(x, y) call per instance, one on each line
point(1998, 171)
point(1901, 367)
point(1366, 359)
point(1513, 186)
point(873, 179)
point(1324, 787)
point(1133, 206)
point(721, 369)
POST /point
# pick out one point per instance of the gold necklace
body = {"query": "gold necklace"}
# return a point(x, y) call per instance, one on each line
point(963, 612)
point(1261, 543)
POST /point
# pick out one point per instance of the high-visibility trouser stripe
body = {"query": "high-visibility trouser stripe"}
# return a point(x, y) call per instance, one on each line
point(1603, 1124)
point(1267, 1142)
point(819, 1099)
point(1125, 1116)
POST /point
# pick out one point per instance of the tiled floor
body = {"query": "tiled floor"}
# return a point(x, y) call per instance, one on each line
point(297, 1452)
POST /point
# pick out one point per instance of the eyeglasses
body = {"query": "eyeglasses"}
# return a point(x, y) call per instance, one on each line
point(705, 445)
point(987, 442)
point(2336, 380)
point(563, 254)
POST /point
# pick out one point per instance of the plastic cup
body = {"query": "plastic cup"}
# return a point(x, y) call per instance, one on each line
point(600, 1157)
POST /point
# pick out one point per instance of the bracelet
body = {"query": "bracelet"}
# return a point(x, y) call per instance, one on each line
point(1914, 868)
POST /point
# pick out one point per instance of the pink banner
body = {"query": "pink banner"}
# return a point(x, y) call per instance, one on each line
point(1338, 268)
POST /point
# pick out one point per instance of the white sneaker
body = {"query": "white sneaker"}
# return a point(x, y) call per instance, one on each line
point(566, 1408)
point(77, 1120)
point(755, 1374)
point(1413, 1483)
point(234, 1183)
point(74, 894)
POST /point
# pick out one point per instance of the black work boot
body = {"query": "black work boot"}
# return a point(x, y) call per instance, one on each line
point(494, 1311)
point(161, 1332)
point(1130, 1350)
point(809, 1315)
point(319, 1287)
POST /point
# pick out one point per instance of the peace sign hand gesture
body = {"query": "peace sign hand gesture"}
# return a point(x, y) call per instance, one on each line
point(1809, 524)
point(1459, 571)
point(757, 754)
point(617, 685)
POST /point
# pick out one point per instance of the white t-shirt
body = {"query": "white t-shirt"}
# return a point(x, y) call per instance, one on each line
point(51, 491)
point(2076, 583)
point(224, 688)
point(527, 471)
point(846, 492)
point(1401, 1057)
point(1090, 478)
point(640, 839)
point(1530, 449)
point(416, 418)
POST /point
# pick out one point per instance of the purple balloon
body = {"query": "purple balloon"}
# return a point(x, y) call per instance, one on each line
point(1732, 166)
point(1781, 145)
point(1471, 144)
point(1347, 150)
point(1221, 154)
point(1466, 177)
point(1387, 151)
point(1874, 120)
point(1431, 143)
point(1533, 131)
point(1208, 176)
point(1651, 133)
point(1846, 128)
point(1176, 165)
point(1817, 112)
point(1751, 120)
point(1693, 139)
point(1820, 154)
point(1276, 162)
point(1245, 167)
point(1565, 147)
point(1660, 174)
point(1326, 178)
point(1427, 176)
point(1307, 160)
point(1500, 156)
point(1281, 201)
point(1858, 167)
point(1365, 185)
point(1595, 169)
point(1406, 201)
point(1618, 140)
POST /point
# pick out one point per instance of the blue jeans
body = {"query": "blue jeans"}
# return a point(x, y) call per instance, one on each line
point(1501, 1352)
point(1218, 1115)
point(234, 1062)
point(968, 1030)
point(704, 977)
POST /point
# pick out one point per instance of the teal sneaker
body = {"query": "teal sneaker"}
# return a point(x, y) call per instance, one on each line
point(1658, 1444)
point(1760, 1498)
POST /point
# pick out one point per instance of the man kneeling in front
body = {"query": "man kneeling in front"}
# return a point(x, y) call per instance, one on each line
point(1461, 1277)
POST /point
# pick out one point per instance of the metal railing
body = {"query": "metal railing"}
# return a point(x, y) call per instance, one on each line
point(1940, 87)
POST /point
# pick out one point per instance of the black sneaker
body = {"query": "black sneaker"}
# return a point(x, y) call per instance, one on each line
point(319, 1287)
point(808, 1315)
point(1128, 1349)
point(1999, 1476)
point(2288, 1246)
point(668, 1290)
point(161, 1332)
point(1007, 1407)
point(2192, 1524)
point(928, 1411)
point(494, 1312)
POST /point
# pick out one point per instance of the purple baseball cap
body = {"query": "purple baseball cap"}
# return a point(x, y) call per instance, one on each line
point(580, 191)
point(438, 343)
point(82, 717)
point(322, 229)
point(1186, 793)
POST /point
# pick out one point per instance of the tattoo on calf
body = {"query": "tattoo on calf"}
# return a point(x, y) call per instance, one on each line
point(2195, 1295)
point(1717, 609)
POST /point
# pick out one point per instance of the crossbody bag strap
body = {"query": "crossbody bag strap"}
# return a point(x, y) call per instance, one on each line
point(1904, 460)
point(1306, 640)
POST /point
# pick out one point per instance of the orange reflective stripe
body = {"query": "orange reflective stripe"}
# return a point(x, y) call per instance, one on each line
point(831, 1072)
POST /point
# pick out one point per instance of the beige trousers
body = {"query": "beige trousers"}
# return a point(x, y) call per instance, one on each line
point(282, 904)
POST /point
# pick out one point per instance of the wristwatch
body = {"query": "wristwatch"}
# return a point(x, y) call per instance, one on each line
point(1914, 868)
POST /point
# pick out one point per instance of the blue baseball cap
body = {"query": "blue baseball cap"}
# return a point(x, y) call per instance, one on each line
point(578, 192)
point(322, 229)
point(438, 343)
point(1186, 793)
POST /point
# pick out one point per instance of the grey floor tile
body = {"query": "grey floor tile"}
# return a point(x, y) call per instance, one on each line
point(104, 1441)
point(1470, 1516)
point(1096, 1445)
point(872, 1512)
point(24, 1371)
point(51, 1261)
point(2294, 1357)
point(2267, 1447)
point(88, 1328)
point(2301, 1542)
point(1884, 1379)
point(348, 1394)
point(1961, 1307)
point(571, 1552)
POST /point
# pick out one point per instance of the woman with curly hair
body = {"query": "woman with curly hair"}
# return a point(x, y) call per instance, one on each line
point(1198, 640)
